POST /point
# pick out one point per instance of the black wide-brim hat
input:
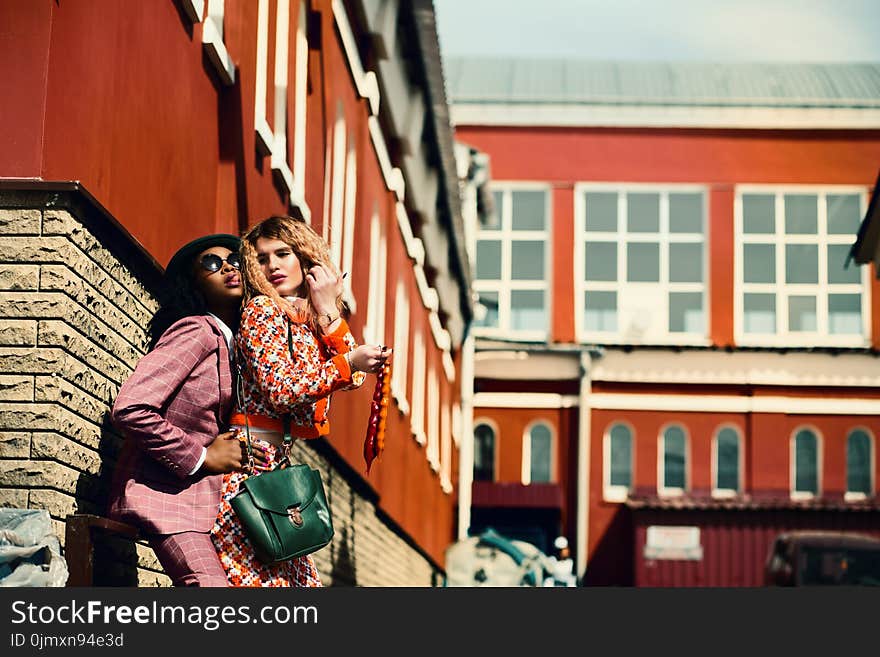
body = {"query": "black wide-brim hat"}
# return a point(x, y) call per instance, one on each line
point(183, 259)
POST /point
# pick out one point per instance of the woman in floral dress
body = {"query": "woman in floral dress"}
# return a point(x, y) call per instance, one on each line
point(290, 285)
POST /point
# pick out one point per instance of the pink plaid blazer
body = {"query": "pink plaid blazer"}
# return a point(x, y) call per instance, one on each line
point(176, 401)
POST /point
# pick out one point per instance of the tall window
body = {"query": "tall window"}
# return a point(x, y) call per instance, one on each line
point(806, 464)
point(727, 459)
point(640, 264)
point(484, 453)
point(401, 346)
point(859, 465)
point(418, 388)
point(374, 328)
point(618, 457)
point(446, 448)
point(337, 190)
point(673, 479)
point(512, 265)
point(538, 455)
point(792, 245)
point(433, 404)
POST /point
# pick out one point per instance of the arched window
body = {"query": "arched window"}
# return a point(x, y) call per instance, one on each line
point(859, 461)
point(727, 457)
point(674, 467)
point(618, 463)
point(540, 454)
point(484, 453)
point(806, 463)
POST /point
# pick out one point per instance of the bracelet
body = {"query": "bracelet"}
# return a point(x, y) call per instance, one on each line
point(347, 355)
point(327, 319)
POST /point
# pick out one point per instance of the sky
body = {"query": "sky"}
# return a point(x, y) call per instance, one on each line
point(658, 30)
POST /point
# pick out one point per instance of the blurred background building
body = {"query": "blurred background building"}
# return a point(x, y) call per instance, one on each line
point(618, 292)
point(673, 361)
point(128, 129)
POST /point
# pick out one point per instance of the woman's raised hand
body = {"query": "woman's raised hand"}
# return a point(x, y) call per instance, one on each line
point(369, 358)
point(324, 288)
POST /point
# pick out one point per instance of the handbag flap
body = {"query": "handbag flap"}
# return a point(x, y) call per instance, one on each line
point(278, 490)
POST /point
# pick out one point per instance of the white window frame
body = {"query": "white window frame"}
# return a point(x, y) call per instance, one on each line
point(617, 493)
point(300, 91)
point(506, 285)
point(212, 39)
point(417, 418)
point(272, 141)
point(802, 494)
point(333, 230)
point(446, 448)
point(374, 328)
point(727, 492)
point(457, 421)
point(401, 347)
point(622, 237)
point(858, 496)
point(673, 491)
point(493, 425)
point(349, 217)
point(781, 289)
point(433, 402)
point(526, 468)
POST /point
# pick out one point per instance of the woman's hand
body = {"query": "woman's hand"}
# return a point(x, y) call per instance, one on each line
point(324, 288)
point(228, 453)
point(369, 358)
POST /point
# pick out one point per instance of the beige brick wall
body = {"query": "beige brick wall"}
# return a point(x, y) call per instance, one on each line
point(72, 328)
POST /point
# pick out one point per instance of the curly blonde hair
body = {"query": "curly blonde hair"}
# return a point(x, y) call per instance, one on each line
point(309, 248)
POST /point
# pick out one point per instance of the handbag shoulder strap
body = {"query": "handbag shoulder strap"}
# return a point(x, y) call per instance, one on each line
point(285, 420)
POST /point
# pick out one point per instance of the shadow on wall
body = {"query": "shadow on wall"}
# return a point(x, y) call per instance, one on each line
point(611, 563)
point(115, 559)
point(343, 570)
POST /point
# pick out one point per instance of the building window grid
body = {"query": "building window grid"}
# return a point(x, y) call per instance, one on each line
point(622, 237)
point(782, 290)
point(506, 285)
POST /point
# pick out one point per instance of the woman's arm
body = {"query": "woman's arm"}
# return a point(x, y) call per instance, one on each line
point(341, 341)
point(140, 405)
point(285, 379)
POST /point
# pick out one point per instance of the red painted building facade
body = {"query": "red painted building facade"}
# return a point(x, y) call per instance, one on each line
point(665, 296)
point(185, 117)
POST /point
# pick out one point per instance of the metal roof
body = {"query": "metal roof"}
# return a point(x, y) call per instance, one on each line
point(555, 81)
point(747, 502)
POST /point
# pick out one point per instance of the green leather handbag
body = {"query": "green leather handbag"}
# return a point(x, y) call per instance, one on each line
point(283, 511)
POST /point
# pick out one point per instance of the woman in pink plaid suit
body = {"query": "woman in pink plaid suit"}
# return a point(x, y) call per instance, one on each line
point(174, 408)
point(291, 288)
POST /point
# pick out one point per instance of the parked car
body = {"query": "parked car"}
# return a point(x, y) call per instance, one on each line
point(822, 558)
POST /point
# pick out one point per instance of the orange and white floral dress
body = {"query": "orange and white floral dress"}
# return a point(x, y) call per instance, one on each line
point(277, 381)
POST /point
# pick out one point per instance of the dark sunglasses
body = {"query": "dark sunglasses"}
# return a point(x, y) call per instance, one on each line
point(212, 262)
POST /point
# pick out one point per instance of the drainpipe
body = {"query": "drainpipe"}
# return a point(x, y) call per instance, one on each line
point(583, 469)
point(466, 448)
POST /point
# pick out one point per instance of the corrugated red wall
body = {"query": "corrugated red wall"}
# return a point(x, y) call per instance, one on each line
point(735, 544)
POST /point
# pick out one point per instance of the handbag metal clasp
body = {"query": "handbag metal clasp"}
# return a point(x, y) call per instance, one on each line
point(295, 517)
